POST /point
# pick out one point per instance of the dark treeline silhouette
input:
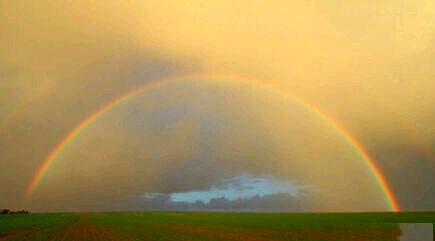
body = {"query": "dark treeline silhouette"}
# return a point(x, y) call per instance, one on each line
point(7, 211)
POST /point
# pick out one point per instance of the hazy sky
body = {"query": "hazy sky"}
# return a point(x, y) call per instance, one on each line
point(369, 64)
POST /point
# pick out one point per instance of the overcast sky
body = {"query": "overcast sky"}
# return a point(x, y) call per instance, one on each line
point(369, 64)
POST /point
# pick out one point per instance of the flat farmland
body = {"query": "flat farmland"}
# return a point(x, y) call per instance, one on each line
point(200, 226)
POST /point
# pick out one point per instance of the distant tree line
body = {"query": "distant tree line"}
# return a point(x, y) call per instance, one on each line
point(7, 211)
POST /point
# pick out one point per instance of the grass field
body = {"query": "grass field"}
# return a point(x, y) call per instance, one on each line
point(201, 226)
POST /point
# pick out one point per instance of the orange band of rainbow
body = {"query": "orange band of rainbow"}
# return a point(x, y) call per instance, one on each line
point(371, 165)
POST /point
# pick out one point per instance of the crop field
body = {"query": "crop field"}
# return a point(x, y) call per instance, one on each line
point(200, 226)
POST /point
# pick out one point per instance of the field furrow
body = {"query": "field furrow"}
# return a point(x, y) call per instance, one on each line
point(161, 226)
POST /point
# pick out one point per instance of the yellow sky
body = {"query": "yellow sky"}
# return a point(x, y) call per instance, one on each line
point(367, 63)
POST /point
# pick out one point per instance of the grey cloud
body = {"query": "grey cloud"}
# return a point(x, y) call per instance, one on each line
point(272, 202)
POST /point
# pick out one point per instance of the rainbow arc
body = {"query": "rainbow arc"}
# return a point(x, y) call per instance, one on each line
point(72, 134)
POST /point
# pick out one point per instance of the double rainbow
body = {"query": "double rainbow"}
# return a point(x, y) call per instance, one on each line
point(70, 136)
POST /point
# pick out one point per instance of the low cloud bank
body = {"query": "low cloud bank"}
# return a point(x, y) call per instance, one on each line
point(271, 202)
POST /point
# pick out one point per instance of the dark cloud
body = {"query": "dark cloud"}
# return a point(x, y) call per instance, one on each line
point(271, 202)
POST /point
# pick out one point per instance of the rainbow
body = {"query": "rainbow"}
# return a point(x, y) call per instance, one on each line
point(71, 135)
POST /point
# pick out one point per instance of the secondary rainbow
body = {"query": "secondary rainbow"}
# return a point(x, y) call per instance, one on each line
point(70, 136)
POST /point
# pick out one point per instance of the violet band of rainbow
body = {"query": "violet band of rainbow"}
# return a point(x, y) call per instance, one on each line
point(70, 136)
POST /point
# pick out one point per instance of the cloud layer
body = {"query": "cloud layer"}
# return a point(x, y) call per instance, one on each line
point(367, 64)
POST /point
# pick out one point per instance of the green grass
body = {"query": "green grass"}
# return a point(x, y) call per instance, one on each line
point(202, 226)
point(22, 220)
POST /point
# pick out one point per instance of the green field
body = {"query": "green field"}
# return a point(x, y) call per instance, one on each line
point(198, 226)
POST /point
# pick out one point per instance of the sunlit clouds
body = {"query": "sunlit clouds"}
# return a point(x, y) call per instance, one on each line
point(368, 64)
